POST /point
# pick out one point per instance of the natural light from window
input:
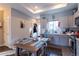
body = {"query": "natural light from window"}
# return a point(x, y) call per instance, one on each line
point(52, 26)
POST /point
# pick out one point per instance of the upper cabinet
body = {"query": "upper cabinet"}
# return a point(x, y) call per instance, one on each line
point(77, 13)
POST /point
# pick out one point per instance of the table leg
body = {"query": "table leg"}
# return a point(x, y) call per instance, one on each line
point(17, 51)
point(75, 49)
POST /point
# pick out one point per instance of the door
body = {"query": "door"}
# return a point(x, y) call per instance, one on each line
point(1, 29)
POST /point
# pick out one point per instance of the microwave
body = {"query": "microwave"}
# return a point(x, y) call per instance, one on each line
point(77, 21)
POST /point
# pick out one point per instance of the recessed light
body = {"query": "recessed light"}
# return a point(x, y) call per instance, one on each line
point(36, 7)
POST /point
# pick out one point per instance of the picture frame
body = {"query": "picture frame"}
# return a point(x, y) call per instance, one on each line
point(21, 24)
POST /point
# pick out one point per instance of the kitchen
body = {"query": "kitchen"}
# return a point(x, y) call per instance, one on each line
point(55, 21)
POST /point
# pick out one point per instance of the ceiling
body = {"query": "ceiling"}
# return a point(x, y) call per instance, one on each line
point(38, 7)
point(42, 8)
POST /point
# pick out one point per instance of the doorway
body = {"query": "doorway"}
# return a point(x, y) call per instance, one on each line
point(1, 29)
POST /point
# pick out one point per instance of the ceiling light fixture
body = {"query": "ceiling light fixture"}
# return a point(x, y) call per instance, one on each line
point(36, 7)
point(38, 11)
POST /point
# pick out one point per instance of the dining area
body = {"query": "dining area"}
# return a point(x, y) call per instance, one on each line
point(41, 46)
point(31, 46)
point(41, 34)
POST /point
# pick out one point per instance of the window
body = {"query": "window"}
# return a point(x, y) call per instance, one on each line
point(52, 26)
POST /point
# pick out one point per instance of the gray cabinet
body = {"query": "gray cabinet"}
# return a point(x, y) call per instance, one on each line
point(61, 40)
point(77, 46)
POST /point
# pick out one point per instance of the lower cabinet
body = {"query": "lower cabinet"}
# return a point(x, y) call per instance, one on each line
point(77, 47)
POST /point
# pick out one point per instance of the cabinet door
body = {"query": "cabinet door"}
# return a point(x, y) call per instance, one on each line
point(64, 40)
point(77, 47)
point(70, 21)
point(56, 40)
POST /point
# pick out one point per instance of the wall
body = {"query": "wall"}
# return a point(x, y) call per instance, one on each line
point(55, 15)
point(17, 32)
point(66, 18)
point(66, 21)
point(6, 18)
point(12, 30)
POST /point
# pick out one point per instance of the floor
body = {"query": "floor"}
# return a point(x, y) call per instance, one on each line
point(51, 51)
point(4, 48)
point(65, 51)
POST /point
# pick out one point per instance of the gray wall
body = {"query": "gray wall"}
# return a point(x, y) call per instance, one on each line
point(55, 15)
point(18, 33)
point(19, 14)
point(66, 19)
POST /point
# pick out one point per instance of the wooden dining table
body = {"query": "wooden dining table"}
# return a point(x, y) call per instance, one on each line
point(30, 47)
